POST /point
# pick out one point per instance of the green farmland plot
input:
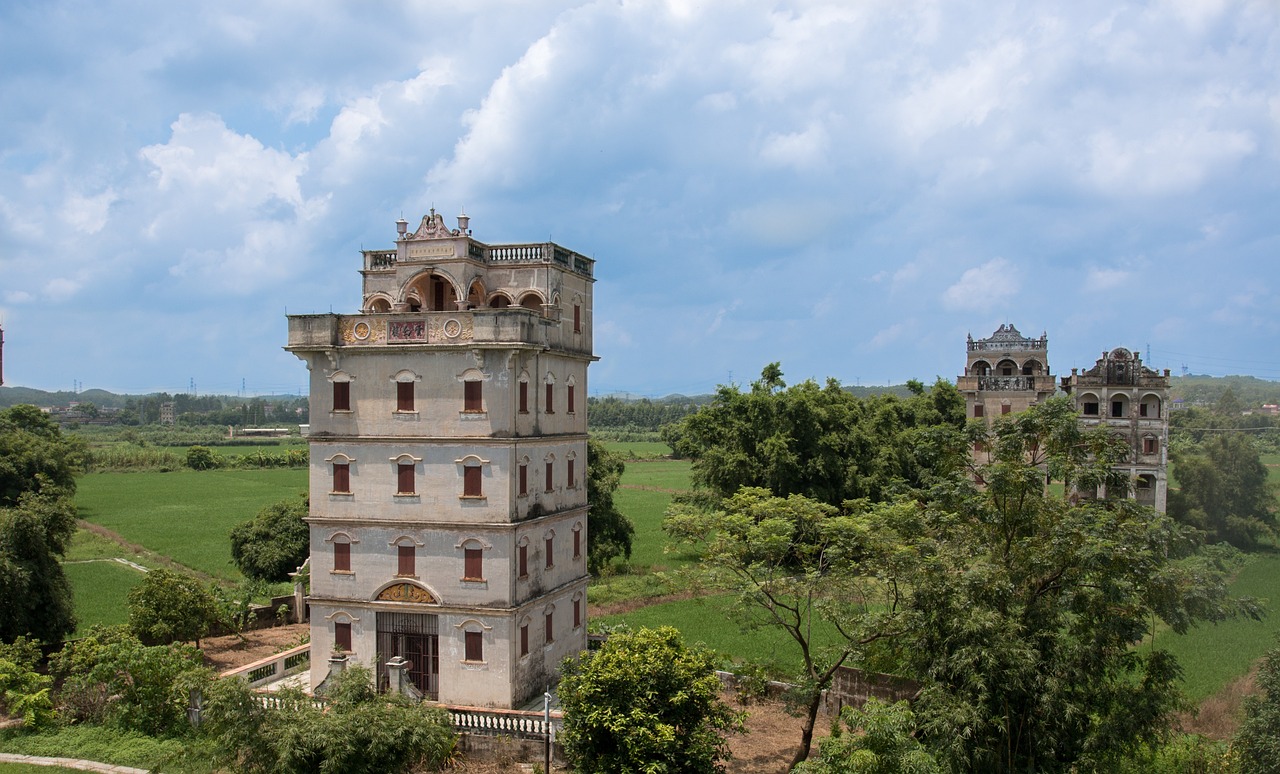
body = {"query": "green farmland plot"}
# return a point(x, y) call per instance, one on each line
point(100, 589)
point(186, 515)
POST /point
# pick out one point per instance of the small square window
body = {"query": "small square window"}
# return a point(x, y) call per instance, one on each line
point(1117, 408)
point(978, 410)
point(1091, 408)
point(1006, 408)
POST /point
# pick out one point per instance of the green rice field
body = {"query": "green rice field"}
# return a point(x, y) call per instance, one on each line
point(101, 589)
point(185, 515)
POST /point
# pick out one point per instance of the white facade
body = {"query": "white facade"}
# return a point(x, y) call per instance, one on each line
point(448, 465)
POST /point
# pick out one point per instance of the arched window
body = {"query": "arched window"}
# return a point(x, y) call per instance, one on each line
point(549, 543)
point(341, 544)
point(472, 560)
point(405, 391)
point(341, 386)
point(406, 467)
point(340, 474)
point(406, 556)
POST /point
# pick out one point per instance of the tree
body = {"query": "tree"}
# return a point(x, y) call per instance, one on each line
point(644, 702)
point(202, 458)
point(1025, 606)
point(884, 746)
point(1258, 739)
point(34, 534)
point(610, 531)
point(275, 542)
point(35, 456)
point(358, 732)
point(819, 441)
point(170, 607)
point(1224, 490)
point(794, 564)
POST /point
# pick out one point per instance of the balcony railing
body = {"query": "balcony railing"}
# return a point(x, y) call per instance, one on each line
point(1015, 345)
point(510, 325)
point(1008, 383)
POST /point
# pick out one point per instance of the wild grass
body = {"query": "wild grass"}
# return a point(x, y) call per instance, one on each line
point(99, 743)
point(185, 515)
point(100, 590)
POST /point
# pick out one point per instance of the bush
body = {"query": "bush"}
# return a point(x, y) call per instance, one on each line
point(170, 607)
point(1258, 740)
point(111, 677)
point(203, 458)
point(359, 731)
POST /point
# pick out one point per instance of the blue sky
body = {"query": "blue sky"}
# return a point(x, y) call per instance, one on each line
point(847, 187)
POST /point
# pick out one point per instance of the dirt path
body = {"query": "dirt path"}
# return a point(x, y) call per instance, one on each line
point(223, 653)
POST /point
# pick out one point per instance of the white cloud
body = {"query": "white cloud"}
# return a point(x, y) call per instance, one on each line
point(88, 214)
point(1172, 161)
point(966, 95)
point(993, 283)
point(801, 150)
point(1101, 278)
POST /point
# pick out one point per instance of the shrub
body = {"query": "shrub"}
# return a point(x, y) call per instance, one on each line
point(169, 607)
point(203, 458)
point(274, 543)
point(1258, 740)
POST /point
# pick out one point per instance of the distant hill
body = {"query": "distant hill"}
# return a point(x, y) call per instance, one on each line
point(1251, 391)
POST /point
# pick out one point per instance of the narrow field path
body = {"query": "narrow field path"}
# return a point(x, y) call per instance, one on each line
point(70, 763)
point(134, 548)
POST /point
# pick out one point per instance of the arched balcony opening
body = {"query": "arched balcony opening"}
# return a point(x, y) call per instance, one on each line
point(476, 295)
point(499, 301)
point(980, 368)
point(532, 302)
point(1032, 367)
point(431, 293)
point(1150, 407)
point(378, 304)
point(1006, 368)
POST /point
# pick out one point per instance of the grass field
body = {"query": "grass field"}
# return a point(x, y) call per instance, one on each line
point(639, 450)
point(1212, 655)
point(706, 620)
point(100, 589)
point(185, 515)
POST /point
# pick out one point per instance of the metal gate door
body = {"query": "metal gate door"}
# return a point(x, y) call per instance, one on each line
point(415, 637)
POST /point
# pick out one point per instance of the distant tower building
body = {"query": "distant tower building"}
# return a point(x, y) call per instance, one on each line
point(448, 466)
point(1005, 373)
point(1131, 400)
point(166, 413)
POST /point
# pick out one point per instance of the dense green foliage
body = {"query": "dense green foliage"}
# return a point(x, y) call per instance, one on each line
point(358, 732)
point(35, 456)
point(170, 607)
point(639, 415)
point(111, 677)
point(1224, 490)
point(37, 480)
point(275, 543)
point(645, 702)
point(24, 692)
point(876, 739)
point(611, 532)
point(819, 441)
point(1258, 740)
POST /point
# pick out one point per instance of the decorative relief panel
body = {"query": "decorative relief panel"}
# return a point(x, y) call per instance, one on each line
point(408, 330)
point(355, 331)
point(407, 592)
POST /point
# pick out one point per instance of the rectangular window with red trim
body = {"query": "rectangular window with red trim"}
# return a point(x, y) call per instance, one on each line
point(404, 478)
point(474, 646)
point(473, 564)
point(405, 556)
point(471, 481)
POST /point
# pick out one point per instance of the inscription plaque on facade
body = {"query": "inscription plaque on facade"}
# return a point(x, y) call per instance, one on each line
point(408, 330)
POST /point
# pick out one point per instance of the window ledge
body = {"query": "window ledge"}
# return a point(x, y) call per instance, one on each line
point(342, 496)
point(408, 576)
point(474, 583)
point(407, 496)
point(473, 497)
point(473, 416)
point(342, 572)
point(406, 414)
point(341, 411)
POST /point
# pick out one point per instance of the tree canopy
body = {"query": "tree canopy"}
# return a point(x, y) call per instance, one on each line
point(170, 607)
point(1224, 490)
point(275, 542)
point(819, 441)
point(645, 702)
